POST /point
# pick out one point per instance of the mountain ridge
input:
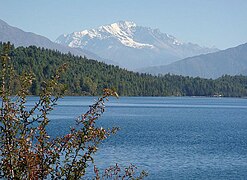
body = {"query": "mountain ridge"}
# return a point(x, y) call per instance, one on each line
point(232, 61)
point(131, 45)
point(22, 38)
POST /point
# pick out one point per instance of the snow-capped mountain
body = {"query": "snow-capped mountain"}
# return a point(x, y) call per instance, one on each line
point(132, 46)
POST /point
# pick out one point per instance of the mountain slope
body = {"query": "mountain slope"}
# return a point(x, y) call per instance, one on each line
point(21, 38)
point(232, 61)
point(84, 77)
point(132, 46)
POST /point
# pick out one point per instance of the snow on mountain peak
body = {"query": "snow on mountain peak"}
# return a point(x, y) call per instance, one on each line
point(128, 34)
point(122, 31)
point(131, 45)
point(125, 28)
point(126, 24)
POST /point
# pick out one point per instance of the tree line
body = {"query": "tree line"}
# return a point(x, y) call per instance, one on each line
point(88, 77)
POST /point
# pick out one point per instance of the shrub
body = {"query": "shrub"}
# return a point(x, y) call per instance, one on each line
point(28, 152)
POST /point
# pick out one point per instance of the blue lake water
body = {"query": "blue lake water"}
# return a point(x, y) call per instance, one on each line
point(170, 137)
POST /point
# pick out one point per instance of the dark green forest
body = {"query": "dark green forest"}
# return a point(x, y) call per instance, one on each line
point(89, 77)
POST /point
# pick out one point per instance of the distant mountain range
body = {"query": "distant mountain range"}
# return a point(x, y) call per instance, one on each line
point(136, 47)
point(132, 46)
point(232, 61)
point(19, 37)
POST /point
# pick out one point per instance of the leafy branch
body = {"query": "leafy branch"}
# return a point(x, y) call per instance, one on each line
point(28, 152)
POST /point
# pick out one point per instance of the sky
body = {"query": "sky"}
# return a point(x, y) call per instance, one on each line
point(218, 23)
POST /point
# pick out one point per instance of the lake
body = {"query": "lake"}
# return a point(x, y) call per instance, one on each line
point(170, 137)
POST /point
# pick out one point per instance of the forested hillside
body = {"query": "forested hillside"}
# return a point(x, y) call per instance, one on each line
point(89, 77)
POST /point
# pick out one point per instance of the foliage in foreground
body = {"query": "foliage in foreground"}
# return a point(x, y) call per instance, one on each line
point(28, 152)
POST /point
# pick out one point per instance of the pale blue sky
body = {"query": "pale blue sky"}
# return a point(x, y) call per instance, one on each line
point(220, 23)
